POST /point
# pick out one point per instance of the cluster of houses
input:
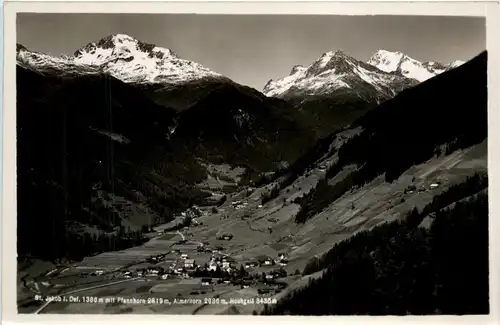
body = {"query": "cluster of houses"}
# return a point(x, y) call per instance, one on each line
point(225, 263)
point(146, 272)
point(186, 267)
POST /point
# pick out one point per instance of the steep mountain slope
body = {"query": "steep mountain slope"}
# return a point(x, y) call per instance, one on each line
point(446, 107)
point(86, 152)
point(441, 114)
point(336, 89)
point(99, 151)
point(245, 127)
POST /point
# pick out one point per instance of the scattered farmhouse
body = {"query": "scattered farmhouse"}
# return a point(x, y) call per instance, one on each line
point(265, 260)
point(282, 256)
point(283, 262)
point(251, 264)
point(212, 266)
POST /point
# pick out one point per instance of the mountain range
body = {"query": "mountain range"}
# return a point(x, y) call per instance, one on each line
point(336, 89)
point(385, 72)
point(164, 76)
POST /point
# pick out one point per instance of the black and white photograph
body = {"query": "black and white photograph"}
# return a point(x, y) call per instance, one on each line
point(218, 164)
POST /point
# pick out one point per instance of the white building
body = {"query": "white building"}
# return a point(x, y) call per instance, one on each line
point(189, 264)
point(282, 256)
point(153, 273)
point(212, 266)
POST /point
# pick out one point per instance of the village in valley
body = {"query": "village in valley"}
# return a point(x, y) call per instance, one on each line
point(185, 258)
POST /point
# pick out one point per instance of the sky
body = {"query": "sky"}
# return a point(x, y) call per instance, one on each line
point(252, 49)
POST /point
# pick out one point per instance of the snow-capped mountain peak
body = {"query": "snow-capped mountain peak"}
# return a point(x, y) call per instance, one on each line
point(119, 46)
point(398, 62)
point(386, 61)
point(123, 57)
point(334, 70)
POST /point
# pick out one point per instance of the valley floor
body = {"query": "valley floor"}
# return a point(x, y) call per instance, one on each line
point(259, 232)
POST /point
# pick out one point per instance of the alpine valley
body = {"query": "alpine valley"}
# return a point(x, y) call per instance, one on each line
point(347, 187)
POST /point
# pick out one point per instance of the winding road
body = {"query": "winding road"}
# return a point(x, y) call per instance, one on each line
point(180, 234)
